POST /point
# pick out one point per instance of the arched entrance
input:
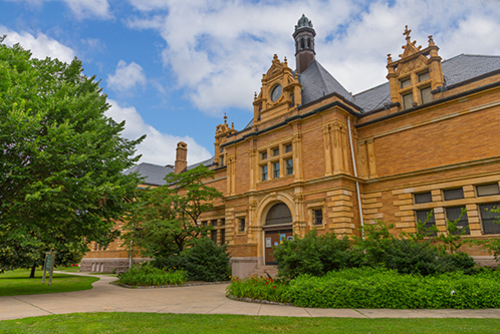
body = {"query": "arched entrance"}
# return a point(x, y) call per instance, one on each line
point(277, 227)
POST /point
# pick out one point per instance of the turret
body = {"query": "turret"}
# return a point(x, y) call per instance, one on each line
point(304, 44)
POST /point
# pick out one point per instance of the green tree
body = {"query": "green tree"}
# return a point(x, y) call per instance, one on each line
point(164, 220)
point(61, 161)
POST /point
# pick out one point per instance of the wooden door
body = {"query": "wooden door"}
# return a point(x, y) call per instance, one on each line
point(273, 239)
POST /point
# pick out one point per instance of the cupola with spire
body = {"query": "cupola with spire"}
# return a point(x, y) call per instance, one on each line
point(304, 43)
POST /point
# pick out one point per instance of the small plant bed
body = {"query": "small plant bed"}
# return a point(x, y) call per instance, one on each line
point(376, 288)
point(112, 322)
point(16, 282)
point(147, 275)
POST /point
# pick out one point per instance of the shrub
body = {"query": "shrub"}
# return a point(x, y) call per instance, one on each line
point(204, 261)
point(313, 254)
point(207, 261)
point(382, 288)
point(456, 262)
point(146, 274)
point(258, 288)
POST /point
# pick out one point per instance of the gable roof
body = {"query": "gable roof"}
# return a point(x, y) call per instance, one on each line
point(152, 174)
point(317, 82)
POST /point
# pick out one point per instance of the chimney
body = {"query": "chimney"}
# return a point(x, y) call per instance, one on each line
point(181, 157)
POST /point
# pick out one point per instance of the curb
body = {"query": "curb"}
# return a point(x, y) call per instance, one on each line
point(166, 286)
point(258, 301)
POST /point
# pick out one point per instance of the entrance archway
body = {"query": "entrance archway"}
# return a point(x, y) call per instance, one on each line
point(277, 227)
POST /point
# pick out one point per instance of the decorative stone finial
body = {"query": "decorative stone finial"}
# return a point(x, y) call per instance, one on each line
point(389, 58)
point(225, 118)
point(285, 62)
point(407, 33)
point(431, 41)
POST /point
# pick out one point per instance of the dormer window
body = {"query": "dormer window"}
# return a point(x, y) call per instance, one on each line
point(406, 83)
point(425, 94)
point(408, 101)
point(423, 77)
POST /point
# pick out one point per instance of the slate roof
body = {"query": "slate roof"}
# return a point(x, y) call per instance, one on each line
point(317, 82)
point(152, 174)
point(455, 70)
point(207, 163)
point(464, 67)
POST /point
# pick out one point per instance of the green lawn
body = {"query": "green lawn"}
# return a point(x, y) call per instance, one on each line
point(16, 282)
point(189, 323)
point(68, 269)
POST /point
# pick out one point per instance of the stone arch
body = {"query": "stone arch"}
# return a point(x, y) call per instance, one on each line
point(269, 201)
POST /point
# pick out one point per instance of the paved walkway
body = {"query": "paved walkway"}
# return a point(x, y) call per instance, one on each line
point(207, 299)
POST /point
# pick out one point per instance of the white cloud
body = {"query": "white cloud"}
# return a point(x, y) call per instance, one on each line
point(90, 8)
point(218, 50)
point(126, 77)
point(158, 148)
point(41, 46)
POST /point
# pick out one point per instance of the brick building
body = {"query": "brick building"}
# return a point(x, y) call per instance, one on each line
point(317, 156)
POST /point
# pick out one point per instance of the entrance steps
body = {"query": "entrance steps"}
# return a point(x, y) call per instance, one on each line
point(263, 270)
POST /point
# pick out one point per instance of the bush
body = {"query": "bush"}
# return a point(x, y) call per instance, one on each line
point(313, 254)
point(381, 288)
point(258, 288)
point(204, 261)
point(378, 288)
point(207, 261)
point(146, 274)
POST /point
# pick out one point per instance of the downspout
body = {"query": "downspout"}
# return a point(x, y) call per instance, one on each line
point(357, 183)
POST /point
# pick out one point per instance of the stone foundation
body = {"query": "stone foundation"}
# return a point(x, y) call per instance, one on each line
point(117, 265)
point(244, 267)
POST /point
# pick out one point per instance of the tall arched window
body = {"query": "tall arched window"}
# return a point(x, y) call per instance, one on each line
point(279, 215)
point(302, 43)
point(308, 43)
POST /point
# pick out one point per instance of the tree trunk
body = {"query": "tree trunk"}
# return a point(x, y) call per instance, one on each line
point(32, 275)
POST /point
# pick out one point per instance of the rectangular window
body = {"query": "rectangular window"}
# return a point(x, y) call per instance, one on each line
point(205, 224)
point(424, 76)
point(488, 190)
point(426, 95)
point(214, 236)
point(263, 170)
point(263, 155)
point(289, 166)
point(221, 160)
point(221, 149)
point(408, 101)
point(288, 148)
point(489, 218)
point(276, 152)
point(452, 194)
point(426, 216)
point(222, 222)
point(405, 83)
point(455, 213)
point(423, 198)
point(241, 224)
point(214, 222)
point(222, 236)
point(276, 170)
point(318, 216)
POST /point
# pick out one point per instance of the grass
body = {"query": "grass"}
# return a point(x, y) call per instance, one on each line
point(189, 323)
point(68, 269)
point(13, 283)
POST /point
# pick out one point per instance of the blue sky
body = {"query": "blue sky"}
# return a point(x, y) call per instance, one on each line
point(172, 68)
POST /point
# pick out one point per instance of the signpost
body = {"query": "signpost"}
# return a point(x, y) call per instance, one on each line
point(50, 258)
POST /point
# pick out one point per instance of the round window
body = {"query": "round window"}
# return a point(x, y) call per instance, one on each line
point(276, 93)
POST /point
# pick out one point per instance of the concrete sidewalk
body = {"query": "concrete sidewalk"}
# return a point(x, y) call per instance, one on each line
point(207, 299)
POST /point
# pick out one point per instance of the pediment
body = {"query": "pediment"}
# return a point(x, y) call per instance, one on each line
point(412, 65)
